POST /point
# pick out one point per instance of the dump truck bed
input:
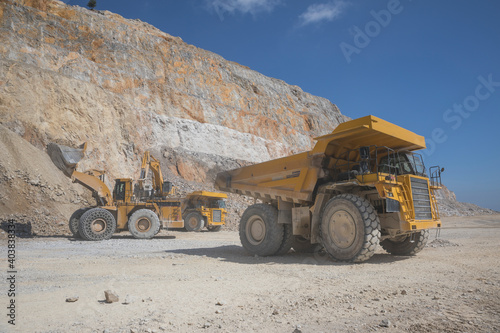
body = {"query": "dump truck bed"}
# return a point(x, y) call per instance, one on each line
point(293, 178)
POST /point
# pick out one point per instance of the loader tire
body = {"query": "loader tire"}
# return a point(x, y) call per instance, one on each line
point(74, 220)
point(303, 245)
point(97, 224)
point(350, 228)
point(194, 222)
point(260, 232)
point(286, 243)
point(403, 246)
point(214, 228)
point(143, 224)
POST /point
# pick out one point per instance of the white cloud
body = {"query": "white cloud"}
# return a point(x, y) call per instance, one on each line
point(253, 7)
point(322, 12)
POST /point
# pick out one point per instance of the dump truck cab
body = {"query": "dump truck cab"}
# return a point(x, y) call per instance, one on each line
point(361, 185)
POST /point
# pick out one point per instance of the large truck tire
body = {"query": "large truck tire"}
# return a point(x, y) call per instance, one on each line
point(303, 245)
point(403, 246)
point(74, 220)
point(194, 222)
point(260, 232)
point(144, 224)
point(97, 224)
point(286, 243)
point(350, 228)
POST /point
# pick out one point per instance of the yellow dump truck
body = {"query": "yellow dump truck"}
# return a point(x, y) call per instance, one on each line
point(203, 208)
point(360, 186)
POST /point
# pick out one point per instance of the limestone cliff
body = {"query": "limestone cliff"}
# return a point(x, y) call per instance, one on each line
point(69, 75)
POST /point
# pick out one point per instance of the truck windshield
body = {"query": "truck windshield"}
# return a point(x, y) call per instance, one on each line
point(405, 163)
point(218, 204)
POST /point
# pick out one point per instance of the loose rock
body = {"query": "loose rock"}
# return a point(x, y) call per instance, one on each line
point(111, 296)
point(385, 323)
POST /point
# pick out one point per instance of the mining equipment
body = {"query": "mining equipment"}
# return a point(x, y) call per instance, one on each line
point(360, 186)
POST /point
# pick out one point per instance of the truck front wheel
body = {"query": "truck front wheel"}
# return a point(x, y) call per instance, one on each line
point(350, 228)
point(194, 222)
point(405, 245)
point(143, 224)
point(260, 232)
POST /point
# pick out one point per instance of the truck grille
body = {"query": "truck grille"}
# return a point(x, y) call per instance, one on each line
point(421, 199)
point(217, 216)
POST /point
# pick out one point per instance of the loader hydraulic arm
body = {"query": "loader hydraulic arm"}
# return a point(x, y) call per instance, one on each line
point(94, 184)
point(66, 159)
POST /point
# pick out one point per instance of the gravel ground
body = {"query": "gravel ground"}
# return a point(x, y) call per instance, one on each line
point(184, 282)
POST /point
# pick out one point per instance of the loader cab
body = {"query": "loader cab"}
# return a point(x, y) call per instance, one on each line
point(123, 189)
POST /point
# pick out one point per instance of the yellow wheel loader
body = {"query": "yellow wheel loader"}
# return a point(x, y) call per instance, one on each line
point(360, 186)
point(142, 209)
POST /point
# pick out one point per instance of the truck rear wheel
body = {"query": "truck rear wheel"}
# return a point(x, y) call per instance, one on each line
point(97, 224)
point(74, 220)
point(403, 246)
point(143, 224)
point(286, 243)
point(194, 222)
point(260, 232)
point(350, 228)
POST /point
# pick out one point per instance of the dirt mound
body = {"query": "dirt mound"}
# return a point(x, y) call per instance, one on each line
point(39, 196)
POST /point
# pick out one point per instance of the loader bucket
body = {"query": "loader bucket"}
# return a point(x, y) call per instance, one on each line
point(66, 158)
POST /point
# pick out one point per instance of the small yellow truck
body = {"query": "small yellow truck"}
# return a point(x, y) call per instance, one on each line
point(203, 208)
point(360, 186)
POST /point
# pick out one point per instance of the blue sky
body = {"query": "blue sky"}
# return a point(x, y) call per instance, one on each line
point(430, 66)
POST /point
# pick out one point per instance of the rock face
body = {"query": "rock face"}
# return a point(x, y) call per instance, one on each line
point(449, 206)
point(70, 75)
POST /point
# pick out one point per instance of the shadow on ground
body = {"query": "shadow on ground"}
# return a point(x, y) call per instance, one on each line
point(237, 254)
